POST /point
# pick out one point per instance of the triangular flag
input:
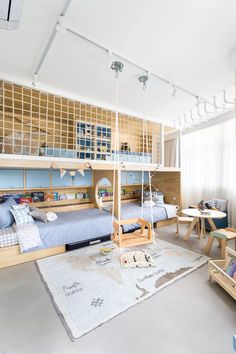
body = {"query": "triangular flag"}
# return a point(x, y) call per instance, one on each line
point(81, 171)
point(62, 172)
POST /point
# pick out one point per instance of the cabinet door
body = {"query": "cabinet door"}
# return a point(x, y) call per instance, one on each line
point(83, 181)
point(146, 178)
point(57, 181)
point(134, 177)
point(37, 178)
point(11, 179)
point(124, 178)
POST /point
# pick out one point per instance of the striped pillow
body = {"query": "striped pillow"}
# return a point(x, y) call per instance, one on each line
point(21, 214)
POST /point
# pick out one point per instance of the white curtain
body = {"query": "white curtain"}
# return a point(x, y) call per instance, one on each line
point(209, 165)
point(171, 152)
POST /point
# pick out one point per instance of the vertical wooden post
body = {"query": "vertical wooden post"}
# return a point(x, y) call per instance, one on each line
point(117, 195)
point(162, 143)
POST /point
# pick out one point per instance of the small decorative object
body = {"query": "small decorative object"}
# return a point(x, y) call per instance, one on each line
point(37, 196)
point(205, 212)
point(125, 146)
point(26, 200)
point(105, 250)
point(201, 205)
point(49, 197)
point(137, 259)
point(55, 196)
point(42, 149)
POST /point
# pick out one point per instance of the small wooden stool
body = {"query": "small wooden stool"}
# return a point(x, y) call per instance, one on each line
point(192, 222)
point(223, 236)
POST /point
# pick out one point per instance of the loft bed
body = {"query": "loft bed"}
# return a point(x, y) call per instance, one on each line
point(43, 132)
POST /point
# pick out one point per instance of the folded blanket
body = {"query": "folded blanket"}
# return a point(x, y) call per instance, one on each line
point(28, 237)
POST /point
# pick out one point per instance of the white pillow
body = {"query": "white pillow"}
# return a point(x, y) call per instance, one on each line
point(148, 203)
point(21, 214)
point(51, 216)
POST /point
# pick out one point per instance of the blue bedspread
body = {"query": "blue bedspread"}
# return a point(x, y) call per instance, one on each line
point(75, 226)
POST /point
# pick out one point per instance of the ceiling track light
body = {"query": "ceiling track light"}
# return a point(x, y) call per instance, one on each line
point(117, 66)
point(143, 79)
point(34, 82)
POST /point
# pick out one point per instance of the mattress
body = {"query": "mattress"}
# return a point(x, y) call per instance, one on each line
point(134, 210)
point(75, 226)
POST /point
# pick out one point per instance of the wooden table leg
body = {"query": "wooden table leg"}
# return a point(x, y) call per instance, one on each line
point(223, 247)
point(202, 233)
point(212, 224)
point(190, 229)
point(209, 244)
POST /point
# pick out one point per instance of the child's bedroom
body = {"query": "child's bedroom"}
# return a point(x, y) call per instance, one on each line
point(117, 177)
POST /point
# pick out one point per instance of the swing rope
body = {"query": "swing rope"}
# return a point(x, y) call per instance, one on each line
point(145, 146)
point(117, 66)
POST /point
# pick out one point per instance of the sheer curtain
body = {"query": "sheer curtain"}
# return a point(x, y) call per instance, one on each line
point(209, 165)
point(171, 152)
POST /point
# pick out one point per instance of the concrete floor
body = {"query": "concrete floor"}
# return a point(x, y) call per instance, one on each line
point(192, 316)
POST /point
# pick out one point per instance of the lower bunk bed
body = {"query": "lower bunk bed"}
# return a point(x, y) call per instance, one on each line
point(78, 228)
point(160, 215)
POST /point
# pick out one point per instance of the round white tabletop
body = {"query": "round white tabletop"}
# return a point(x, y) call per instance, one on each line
point(213, 214)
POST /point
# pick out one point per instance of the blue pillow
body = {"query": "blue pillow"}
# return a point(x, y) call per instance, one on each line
point(6, 217)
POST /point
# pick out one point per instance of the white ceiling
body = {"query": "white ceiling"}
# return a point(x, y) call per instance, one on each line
point(187, 42)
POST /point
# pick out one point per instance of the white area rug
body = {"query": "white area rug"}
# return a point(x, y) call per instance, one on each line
point(88, 289)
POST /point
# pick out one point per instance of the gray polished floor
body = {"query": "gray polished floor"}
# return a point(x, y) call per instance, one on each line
point(192, 316)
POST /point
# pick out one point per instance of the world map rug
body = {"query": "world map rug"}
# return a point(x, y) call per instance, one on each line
point(88, 288)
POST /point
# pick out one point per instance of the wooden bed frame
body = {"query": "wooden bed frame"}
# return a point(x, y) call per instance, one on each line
point(168, 182)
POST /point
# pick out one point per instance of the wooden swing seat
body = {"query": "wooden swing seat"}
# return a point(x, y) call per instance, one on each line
point(136, 238)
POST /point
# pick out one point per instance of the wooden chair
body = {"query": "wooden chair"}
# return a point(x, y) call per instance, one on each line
point(192, 222)
point(223, 236)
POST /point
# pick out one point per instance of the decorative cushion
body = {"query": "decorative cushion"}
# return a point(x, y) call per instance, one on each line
point(37, 214)
point(51, 216)
point(21, 214)
point(6, 217)
point(219, 204)
point(156, 196)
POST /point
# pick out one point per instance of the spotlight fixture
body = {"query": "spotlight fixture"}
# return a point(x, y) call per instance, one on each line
point(10, 13)
point(143, 79)
point(117, 66)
